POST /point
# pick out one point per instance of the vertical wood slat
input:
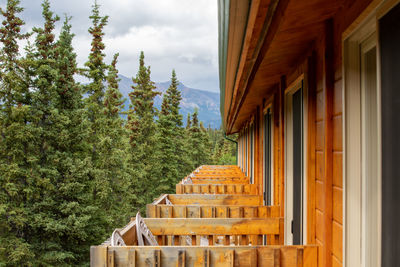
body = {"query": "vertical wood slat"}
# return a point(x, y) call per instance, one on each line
point(206, 258)
point(157, 258)
point(311, 157)
point(132, 258)
point(328, 144)
point(110, 258)
point(310, 256)
point(268, 257)
point(169, 240)
point(181, 258)
point(98, 256)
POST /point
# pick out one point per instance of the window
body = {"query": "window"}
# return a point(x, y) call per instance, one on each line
point(268, 174)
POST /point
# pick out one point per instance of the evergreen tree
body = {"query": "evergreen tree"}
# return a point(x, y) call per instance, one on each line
point(96, 71)
point(197, 153)
point(113, 150)
point(188, 121)
point(62, 211)
point(170, 136)
point(142, 134)
point(16, 137)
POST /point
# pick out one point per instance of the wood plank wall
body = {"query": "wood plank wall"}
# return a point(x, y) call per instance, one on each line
point(323, 66)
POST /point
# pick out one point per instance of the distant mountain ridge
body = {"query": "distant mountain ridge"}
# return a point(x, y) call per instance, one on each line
point(206, 102)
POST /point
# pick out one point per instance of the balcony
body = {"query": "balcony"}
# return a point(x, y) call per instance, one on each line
point(216, 218)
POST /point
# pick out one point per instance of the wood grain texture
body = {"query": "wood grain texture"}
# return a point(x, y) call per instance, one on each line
point(239, 256)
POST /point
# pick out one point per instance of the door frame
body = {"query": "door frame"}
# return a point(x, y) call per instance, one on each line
point(268, 108)
point(297, 84)
point(354, 187)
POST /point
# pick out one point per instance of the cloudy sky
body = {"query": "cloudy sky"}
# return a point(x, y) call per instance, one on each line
point(178, 34)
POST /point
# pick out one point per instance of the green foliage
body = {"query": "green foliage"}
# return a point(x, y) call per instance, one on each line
point(170, 139)
point(15, 142)
point(71, 168)
point(142, 137)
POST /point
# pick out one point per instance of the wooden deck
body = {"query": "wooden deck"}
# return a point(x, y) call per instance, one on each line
point(219, 222)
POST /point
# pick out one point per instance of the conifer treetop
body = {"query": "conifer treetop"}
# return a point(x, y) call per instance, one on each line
point(10, 32)
point(113, 101)
point(95, 63)
point(45, 36)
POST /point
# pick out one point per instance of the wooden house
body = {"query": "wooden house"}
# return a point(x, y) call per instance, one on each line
point(312, 88)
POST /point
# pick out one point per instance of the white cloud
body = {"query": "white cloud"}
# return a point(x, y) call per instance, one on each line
point(178, 34)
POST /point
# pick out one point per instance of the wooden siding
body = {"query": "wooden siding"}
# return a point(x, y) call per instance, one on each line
point(322, 64)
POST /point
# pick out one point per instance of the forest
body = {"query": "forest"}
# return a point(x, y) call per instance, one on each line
point(72, 166)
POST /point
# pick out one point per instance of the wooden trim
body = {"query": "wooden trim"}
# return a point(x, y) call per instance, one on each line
point(311, 159)
point(295, 84)
point(282, 144)
point(268, 104)
point(328, 89)
point(385, 7)
point(272, 24)
point(276, 148)
point(357, 23)
point(299, 83)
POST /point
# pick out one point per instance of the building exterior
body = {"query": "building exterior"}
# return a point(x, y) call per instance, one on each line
point(312, 88)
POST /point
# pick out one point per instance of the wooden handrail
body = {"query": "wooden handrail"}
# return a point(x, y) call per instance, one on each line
point(207, 199)
point(211, 211)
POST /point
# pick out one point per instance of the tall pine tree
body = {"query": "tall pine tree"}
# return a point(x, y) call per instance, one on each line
point(199, 149)
point(142, 134)
point(170, 138)
point(96, 71)
point(112, 151)
point(16, 137)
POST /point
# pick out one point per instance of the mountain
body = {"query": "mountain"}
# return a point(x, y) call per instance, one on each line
point(206, 102)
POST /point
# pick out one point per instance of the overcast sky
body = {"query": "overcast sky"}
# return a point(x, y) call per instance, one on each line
point(180, 34)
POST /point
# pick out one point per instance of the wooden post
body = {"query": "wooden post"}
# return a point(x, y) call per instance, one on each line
point(282, 145)
point(328, 151)
point(311, 158)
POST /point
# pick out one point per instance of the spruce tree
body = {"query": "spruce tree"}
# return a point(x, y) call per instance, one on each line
point(170, 134)
point(16, 137)
point(113, 150)
point(199, 149)
point(62, 210)
point(96, 71)
point(188, 121)
point(142, 134)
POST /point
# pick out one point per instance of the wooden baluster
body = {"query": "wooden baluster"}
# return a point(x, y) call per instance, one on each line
point(181, 258)
point(132, 258)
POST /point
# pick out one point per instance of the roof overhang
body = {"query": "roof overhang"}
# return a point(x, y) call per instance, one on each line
point(276, 35)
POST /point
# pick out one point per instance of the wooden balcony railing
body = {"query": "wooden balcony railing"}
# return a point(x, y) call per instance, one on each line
point(216, 218)
point(262, 256)
point(231, 189)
